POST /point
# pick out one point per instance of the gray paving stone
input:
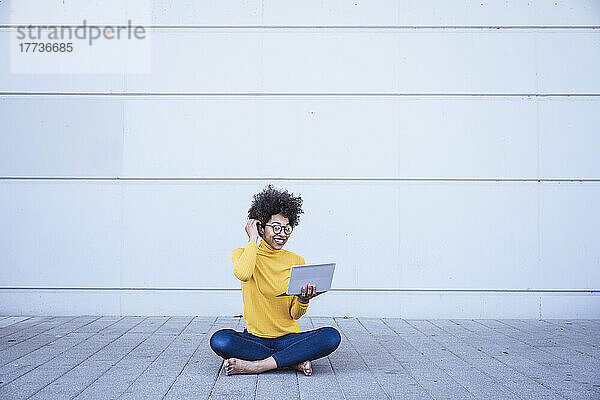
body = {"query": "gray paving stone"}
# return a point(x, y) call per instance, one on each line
point(120, 375)
point(460, 342)
point(523, 358)
point(13, 324)
point(37, 379)
point(323, 382)
point(27, 325)
point(353, 362)
point(456, 362)
point(104, 357)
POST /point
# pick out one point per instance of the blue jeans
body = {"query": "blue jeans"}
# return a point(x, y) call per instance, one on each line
point(287, 350)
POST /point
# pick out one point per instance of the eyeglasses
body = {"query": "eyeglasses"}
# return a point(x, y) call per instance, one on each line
point(277, 229)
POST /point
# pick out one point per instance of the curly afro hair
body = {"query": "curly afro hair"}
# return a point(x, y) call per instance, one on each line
point(273, 201)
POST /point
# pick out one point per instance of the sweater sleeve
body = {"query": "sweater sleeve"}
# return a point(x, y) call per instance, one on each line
point(244, 261)
point(298, 309)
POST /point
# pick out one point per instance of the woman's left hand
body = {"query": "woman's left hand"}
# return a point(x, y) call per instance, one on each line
point(307, 293)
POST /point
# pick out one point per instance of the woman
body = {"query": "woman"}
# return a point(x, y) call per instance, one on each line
point(271, 338)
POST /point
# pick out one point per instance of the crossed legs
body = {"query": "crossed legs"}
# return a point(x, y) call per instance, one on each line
point(246, 353)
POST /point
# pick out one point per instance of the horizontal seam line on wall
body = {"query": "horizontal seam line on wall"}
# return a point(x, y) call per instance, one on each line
point(332, 290)
point(344, 27)
point(298, 94)
point(270, 178)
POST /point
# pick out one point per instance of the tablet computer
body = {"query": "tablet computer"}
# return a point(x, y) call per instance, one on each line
point(320, 275)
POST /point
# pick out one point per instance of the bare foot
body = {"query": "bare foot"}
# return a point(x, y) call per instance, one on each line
point(304, 367)
point(235, 366)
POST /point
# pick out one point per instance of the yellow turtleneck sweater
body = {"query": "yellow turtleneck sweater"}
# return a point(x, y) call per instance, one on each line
point(264, 273)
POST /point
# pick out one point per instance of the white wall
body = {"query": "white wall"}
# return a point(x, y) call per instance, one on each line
point(447, 155)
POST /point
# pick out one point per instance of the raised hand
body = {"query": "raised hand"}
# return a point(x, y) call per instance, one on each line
point(252, 229)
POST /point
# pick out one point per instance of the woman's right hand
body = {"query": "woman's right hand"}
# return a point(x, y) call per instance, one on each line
point(252, 229)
